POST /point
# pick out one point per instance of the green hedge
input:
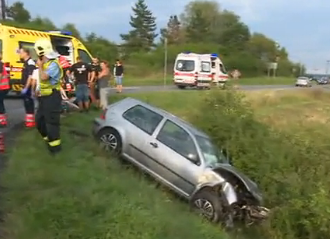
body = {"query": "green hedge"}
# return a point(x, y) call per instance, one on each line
point(291, 167)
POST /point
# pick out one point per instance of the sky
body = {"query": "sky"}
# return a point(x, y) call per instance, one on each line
point(298, 25)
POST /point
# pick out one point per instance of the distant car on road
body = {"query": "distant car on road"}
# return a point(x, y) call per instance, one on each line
point(303, 81)
point(323, 80)
point(181, 157)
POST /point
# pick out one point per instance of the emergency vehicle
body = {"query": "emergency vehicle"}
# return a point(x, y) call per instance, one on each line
point(12, 39)
point(199, 70)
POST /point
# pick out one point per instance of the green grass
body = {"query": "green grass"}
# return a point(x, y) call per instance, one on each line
point(159, 80)
point(84, 193)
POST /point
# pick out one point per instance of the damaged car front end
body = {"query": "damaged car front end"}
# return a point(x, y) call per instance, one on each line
point(232, 195)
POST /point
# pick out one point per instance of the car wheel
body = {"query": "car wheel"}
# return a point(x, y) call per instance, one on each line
point(182, 87)
point(110, 140)
point(209, 205)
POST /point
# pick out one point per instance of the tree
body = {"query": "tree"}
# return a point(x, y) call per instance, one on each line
point(209, 10)
point(101, 47)
point(18, 13)
point(142, 37)
point(173, 31)
point(198, 28)
point(232, 32)
point(262, 47)
point(72, 28)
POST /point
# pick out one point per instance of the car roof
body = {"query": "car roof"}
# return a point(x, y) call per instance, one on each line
point(129, 102)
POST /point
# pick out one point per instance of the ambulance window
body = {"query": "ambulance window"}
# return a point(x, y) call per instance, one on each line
point(84, 56)
point(206, 66)
point(185, 65)
point(222, 69)
point(63, 50)
point(213, 64)
point(29, 46)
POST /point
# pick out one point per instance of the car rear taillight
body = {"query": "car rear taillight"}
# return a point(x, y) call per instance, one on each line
point(104, 112)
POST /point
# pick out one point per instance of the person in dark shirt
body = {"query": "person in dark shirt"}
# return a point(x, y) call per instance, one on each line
point(28, 68)
point(94, 86)
point(82, 74)
point(119, 74)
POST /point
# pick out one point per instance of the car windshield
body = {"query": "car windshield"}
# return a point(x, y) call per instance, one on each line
point(210, 153)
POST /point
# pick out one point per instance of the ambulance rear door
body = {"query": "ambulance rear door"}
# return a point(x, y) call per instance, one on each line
point(204, 78)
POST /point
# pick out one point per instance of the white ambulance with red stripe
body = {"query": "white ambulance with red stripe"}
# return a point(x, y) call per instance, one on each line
point(199, 70)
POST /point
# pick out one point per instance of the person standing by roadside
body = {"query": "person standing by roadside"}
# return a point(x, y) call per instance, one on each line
point(103, 84)
point(4, 89)
point(95, 70)
point(82, 74)
point(119, 74)
point(48, 91)
point(27, 92)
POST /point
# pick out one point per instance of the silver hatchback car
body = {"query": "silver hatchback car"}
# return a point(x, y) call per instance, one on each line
point(181, 157)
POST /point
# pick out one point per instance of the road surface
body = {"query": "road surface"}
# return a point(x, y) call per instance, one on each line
point(15, 110)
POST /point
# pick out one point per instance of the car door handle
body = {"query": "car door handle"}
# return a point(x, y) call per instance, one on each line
point(155, 145)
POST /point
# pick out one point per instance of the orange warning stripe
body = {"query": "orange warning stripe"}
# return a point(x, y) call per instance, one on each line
point(28, 32)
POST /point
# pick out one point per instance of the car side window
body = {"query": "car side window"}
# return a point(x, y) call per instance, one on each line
point(143, 118)
point(178, 139)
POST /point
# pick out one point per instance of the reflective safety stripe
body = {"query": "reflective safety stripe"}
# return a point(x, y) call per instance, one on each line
point(45, 138)
point(55, 143)
point(49, 91)
point(45, 87)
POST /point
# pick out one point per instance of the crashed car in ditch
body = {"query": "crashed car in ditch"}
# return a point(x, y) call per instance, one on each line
point(181, 157)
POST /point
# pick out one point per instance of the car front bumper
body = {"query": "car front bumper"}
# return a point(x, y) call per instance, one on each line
point(97, 126)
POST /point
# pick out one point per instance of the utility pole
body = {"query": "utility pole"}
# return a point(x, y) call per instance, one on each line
point(3, 9)
point(165, 61)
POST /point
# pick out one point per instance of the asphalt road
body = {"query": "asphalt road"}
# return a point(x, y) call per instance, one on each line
point(15, 110)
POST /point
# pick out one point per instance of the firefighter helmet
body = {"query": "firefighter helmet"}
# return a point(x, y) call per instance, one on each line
point(43, 47)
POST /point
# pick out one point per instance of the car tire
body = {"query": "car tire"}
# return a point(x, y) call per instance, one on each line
point(182, 87)
point(110, 140)
point(209, 205)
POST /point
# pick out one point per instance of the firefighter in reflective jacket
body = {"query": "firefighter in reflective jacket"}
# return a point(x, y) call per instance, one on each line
point(4, 89)
point(49, 111)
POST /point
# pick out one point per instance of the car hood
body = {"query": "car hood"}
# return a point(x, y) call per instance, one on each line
point(251, 186)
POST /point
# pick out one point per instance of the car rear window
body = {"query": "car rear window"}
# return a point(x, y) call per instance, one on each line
point(185, 65)
point(143, 118)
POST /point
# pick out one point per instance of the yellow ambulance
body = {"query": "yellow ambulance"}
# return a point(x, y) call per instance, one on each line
point(12, 39)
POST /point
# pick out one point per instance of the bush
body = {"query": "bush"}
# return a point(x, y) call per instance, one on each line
point(290, 167)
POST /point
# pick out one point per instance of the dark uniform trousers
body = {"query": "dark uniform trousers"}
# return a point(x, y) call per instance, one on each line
point(28, 102)
point(48, 119)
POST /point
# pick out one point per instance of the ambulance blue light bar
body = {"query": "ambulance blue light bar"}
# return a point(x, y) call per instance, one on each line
point(187, 52)
point(67, 33)
point(214, 55)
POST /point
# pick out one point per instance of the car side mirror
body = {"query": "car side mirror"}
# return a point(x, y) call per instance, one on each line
point(193, 158)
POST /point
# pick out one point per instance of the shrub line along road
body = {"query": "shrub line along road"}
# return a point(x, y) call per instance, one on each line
point(15, 110)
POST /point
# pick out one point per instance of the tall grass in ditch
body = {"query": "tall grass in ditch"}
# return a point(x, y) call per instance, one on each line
point(291, 168)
